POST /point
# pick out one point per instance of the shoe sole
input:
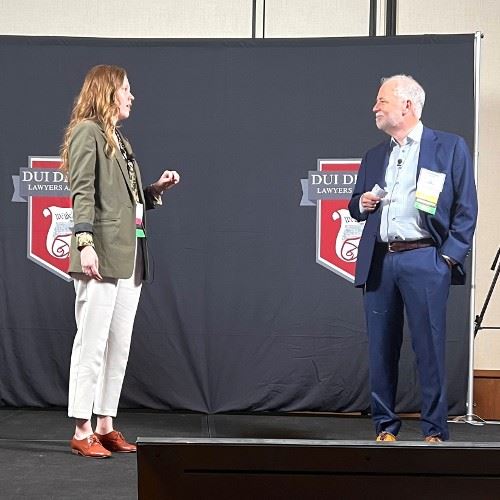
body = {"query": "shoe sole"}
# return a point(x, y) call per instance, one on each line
point(76, 452)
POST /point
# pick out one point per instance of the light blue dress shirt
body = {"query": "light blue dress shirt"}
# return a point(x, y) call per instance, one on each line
point(400, 220)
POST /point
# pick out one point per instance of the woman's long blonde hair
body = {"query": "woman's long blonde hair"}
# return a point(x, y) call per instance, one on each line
point(96, 102)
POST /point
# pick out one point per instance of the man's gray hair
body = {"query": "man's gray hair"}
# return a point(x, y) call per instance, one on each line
point(408, 89)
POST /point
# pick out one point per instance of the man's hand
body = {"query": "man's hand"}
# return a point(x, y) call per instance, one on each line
point(369, 201)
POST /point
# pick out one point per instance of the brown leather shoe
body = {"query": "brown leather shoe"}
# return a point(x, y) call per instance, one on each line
point(433, 439)
point(114, 441)
point(386, 437)
point(89, 447)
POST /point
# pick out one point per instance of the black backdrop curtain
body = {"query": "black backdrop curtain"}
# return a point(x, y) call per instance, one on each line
point(239, 316)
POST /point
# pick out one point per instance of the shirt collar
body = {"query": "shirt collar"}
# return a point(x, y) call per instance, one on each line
point(415, 135)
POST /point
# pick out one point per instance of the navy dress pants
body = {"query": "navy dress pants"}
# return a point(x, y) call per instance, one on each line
point(416, 281)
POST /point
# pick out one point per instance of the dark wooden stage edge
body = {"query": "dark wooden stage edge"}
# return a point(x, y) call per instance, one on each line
point(239, 469)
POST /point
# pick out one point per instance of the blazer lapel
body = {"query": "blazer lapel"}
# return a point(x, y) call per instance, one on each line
point(427, 156)
point(377, 167)
point(121, 163)
point(427, 159)
point(124, 169)
point(130, 154)
point(379, 162)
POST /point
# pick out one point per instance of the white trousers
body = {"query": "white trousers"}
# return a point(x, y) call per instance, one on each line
point(105, 312)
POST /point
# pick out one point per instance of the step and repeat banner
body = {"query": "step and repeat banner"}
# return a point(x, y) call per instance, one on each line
point(251, 306)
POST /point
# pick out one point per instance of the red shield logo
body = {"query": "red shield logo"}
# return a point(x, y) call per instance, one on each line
point(50, 217)
point(337, 233)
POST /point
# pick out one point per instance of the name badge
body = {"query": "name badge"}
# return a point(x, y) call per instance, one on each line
point(139, 215)
point(429, 187)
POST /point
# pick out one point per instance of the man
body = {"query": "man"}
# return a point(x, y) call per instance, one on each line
point(417, 195)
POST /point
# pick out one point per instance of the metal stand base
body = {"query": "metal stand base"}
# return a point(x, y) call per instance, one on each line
point(468, 419)
point(472, 420)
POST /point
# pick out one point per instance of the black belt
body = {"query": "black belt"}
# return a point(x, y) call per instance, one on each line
point(404, 246)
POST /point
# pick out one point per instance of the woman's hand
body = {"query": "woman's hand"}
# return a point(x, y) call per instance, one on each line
point(90, 262)
point(168, 179)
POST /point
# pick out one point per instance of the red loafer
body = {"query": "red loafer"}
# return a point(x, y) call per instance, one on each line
point(89, 447)
point(114, 441)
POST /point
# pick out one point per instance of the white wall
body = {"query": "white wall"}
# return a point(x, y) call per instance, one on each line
point(184, 18)
point(126, 19)
point(316, 18)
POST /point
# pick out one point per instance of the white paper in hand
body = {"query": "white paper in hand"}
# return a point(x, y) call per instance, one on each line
point(378, 191)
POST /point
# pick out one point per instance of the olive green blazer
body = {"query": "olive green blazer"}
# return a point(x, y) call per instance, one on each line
point(103, 202)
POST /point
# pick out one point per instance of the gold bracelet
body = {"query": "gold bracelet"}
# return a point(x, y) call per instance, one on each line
point(84, 239)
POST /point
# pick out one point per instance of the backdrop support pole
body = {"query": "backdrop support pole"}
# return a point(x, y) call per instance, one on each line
point(470, 417)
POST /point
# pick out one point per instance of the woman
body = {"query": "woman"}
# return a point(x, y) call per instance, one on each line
point(108, 257)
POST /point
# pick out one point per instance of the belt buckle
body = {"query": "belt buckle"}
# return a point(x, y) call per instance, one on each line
point(389, 247)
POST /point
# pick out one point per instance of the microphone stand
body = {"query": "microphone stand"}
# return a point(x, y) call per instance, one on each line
point(469, 418)
point(480, 316)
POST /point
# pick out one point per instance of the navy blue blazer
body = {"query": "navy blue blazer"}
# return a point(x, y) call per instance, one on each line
point(452, 226)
